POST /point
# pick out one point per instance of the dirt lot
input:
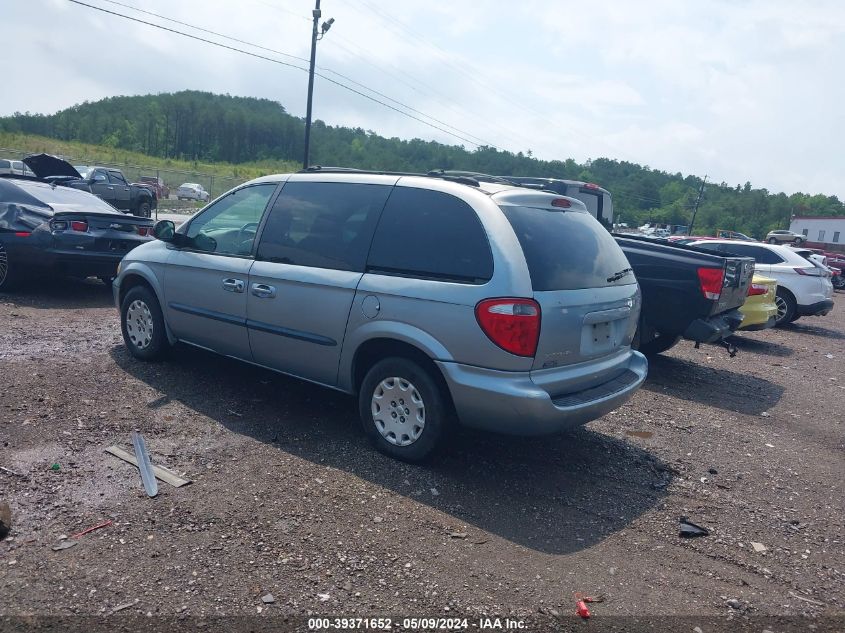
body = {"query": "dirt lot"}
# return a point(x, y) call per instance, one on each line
point(288, 498)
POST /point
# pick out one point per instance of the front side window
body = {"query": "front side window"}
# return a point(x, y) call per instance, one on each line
point(100, 176)
point(116, 178)
point(323, 224)
point(430, 235)
point(228, 226)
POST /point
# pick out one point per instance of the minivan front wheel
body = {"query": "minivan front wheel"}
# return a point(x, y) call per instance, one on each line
point(403, 409)
point(142, 324)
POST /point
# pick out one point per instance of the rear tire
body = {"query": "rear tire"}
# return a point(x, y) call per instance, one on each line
point(658, 345)
point(403, 410)
point(787, 307)
point(772, 240)
point(142, 325)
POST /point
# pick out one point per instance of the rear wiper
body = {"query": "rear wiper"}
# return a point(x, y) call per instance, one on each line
point(619, 275)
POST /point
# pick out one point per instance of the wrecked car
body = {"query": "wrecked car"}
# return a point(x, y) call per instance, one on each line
point(49, 228)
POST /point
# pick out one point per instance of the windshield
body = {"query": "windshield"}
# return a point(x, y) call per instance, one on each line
point(567, 250)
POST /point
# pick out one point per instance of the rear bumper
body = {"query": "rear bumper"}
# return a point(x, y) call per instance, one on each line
point(714, 328)
point(760, 326)
point(512, 403)
point(820, 308)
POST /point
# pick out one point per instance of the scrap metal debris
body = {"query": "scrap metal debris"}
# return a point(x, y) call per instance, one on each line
point(58, 547)
point(91, 529)
point(144, 465)
point(691, 530)
point(160, 472)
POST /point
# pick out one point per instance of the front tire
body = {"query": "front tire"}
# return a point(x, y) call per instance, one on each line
point(9, 276)
point(142, 324)
point(772, 240)
point(787, 307)
point(144, 210)
point(403, 410)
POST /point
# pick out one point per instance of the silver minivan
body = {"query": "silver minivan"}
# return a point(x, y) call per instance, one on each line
point(433, 299)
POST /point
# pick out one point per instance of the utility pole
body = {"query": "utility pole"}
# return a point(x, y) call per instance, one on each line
point(314, 37)
point(697, 202)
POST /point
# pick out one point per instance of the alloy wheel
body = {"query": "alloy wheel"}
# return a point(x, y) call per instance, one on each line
point(398, 411)
point(782, 307)
point(139, 324)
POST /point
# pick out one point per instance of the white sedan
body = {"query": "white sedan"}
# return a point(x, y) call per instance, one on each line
point(804, 287)
point(192, 191)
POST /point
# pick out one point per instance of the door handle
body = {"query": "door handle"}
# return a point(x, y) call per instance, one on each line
point(263, 291)
point(110, 187)
point(233, 285)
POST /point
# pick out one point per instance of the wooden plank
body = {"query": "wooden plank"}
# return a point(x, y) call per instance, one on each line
point(160, 472)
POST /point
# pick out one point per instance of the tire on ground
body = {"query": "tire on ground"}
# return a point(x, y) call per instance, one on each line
point(410, 380)
point(145, 306)
point(787, 307)
point(10, 276)
point(659, 344)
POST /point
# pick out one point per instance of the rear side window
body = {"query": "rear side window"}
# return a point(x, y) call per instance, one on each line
point(431, 235)
point(323, 224)
point(567, 250)
point(760, 255)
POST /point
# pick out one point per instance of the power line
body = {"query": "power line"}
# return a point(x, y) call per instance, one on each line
point(301, 59)
point(276, 61)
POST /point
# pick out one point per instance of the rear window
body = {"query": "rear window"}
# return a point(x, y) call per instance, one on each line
point(430, 235)
point(5, 164)
point(568, 250)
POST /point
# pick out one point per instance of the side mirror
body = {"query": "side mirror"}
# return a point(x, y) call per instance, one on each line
point(164, 230)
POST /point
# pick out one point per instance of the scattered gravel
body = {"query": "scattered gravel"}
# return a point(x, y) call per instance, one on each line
point(291, 512)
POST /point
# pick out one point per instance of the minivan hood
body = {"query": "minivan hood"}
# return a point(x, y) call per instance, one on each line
point(45, 165)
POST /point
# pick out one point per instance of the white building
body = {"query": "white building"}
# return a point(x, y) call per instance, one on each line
point(822, 231)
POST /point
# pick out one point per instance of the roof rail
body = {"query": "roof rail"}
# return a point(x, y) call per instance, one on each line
point(450, 176)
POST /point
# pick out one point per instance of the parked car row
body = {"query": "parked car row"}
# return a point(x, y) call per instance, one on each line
point(434, 299)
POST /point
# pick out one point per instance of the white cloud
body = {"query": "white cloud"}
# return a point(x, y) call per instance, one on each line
point(738, 90)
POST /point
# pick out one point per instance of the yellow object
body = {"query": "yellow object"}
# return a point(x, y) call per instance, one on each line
point(759, 310)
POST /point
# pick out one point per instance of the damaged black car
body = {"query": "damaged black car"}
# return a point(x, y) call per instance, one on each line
point(46, 227)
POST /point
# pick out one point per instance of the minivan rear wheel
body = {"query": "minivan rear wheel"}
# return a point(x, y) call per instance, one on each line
point(403, 410)
point(142, 324)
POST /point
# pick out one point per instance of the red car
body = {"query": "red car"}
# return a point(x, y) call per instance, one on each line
point(156, 185)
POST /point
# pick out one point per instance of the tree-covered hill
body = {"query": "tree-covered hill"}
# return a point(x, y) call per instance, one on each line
point(199, 126)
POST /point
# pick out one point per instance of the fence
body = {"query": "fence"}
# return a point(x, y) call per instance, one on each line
point(214, 185)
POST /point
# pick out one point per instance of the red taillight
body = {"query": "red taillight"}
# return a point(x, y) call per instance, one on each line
point(590, 185)
point(22, 234)
point(561, 203)
point(712, 280)
point(144, 230)
point(512, 324)
point(757, 289)
point(79, 225)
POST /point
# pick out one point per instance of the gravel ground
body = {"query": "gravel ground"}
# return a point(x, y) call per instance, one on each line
point(288, 498)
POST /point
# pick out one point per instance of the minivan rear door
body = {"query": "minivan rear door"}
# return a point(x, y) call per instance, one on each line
point(584, 284)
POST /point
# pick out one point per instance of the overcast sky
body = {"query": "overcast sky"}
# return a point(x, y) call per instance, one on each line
point(737, 90)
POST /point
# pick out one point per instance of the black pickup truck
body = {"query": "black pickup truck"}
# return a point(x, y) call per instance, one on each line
point(104, 182)
point(687, 292)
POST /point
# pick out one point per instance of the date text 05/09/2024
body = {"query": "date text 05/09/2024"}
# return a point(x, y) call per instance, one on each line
point(411, 624)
